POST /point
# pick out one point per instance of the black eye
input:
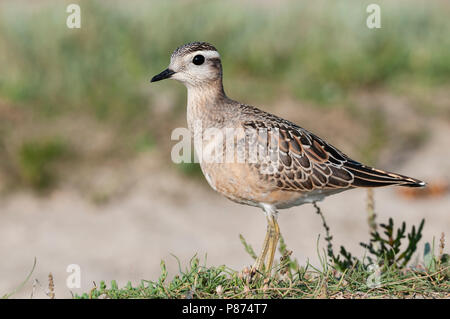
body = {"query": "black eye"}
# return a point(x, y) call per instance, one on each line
point(198, 59)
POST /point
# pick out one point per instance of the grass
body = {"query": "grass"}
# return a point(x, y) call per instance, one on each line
point(384, 274)
point(387, 270)
point(104, 65)
point(201, 281)
point(37, 159)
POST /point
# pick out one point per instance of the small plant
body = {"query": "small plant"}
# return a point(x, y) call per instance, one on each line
point(385, 249)
point(20, 287)
point(289, 280)
point(388, 249)
point(340, 276)
point(434, 263)
point(36, 159)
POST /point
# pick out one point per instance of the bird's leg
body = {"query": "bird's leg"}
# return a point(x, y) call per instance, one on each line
point(274, 236)
point(259, 263)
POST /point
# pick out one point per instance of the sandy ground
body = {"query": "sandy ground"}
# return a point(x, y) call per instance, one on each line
point(166, 214)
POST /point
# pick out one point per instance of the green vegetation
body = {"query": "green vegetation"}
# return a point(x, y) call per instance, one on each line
point(37, 159)
point(383, 274)
point(290, 281)
point(211, 282)
point(385, 249)
point(385, 271)
point(9, 295)
point(104, 66)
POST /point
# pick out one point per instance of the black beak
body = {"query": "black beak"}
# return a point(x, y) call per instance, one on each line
point(167, 73)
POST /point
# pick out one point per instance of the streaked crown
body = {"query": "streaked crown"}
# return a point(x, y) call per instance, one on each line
point(193, 47)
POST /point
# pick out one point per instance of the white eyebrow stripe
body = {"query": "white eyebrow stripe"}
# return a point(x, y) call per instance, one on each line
point(207, 54)
point(178, 62)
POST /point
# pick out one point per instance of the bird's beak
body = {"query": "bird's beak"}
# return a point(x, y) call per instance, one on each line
point(166, 74)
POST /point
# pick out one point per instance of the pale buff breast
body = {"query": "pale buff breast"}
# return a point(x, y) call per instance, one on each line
point(244, 184)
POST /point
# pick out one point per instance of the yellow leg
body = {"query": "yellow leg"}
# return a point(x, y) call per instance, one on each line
point(269, 245)
point(259, 264)
point(274, 236)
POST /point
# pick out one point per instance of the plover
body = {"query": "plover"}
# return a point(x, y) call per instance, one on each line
point(307, 167)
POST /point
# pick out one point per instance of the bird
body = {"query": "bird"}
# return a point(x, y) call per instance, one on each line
point(296, 166)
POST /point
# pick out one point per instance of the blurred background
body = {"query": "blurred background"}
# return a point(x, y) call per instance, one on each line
point(85, 170)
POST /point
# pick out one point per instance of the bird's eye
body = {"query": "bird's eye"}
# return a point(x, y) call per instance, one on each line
point(198, 59)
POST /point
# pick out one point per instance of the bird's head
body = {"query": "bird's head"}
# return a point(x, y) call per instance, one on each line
point(194, 64)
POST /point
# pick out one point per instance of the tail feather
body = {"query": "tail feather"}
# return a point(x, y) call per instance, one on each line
point(365, 176)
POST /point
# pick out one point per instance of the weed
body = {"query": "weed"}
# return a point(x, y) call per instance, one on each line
point(347, 279)
point(36, 160)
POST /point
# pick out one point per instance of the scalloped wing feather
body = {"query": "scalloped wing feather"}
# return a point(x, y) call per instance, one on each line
point(305, 162)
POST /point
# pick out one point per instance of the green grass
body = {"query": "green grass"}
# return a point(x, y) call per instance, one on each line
point(334, 278)
point(392, 267)
point(325, 50)
point(37, 159)
point(104, 66)
point(201, 281)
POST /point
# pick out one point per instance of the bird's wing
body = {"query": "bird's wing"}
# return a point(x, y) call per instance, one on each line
point(305, 162)
point(297, 160)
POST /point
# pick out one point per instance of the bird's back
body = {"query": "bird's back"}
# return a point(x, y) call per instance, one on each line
point(296, 167)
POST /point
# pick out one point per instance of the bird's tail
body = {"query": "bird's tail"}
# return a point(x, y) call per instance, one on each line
point(365, 176)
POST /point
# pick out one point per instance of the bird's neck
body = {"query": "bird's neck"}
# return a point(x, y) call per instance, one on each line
point(203, 100)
